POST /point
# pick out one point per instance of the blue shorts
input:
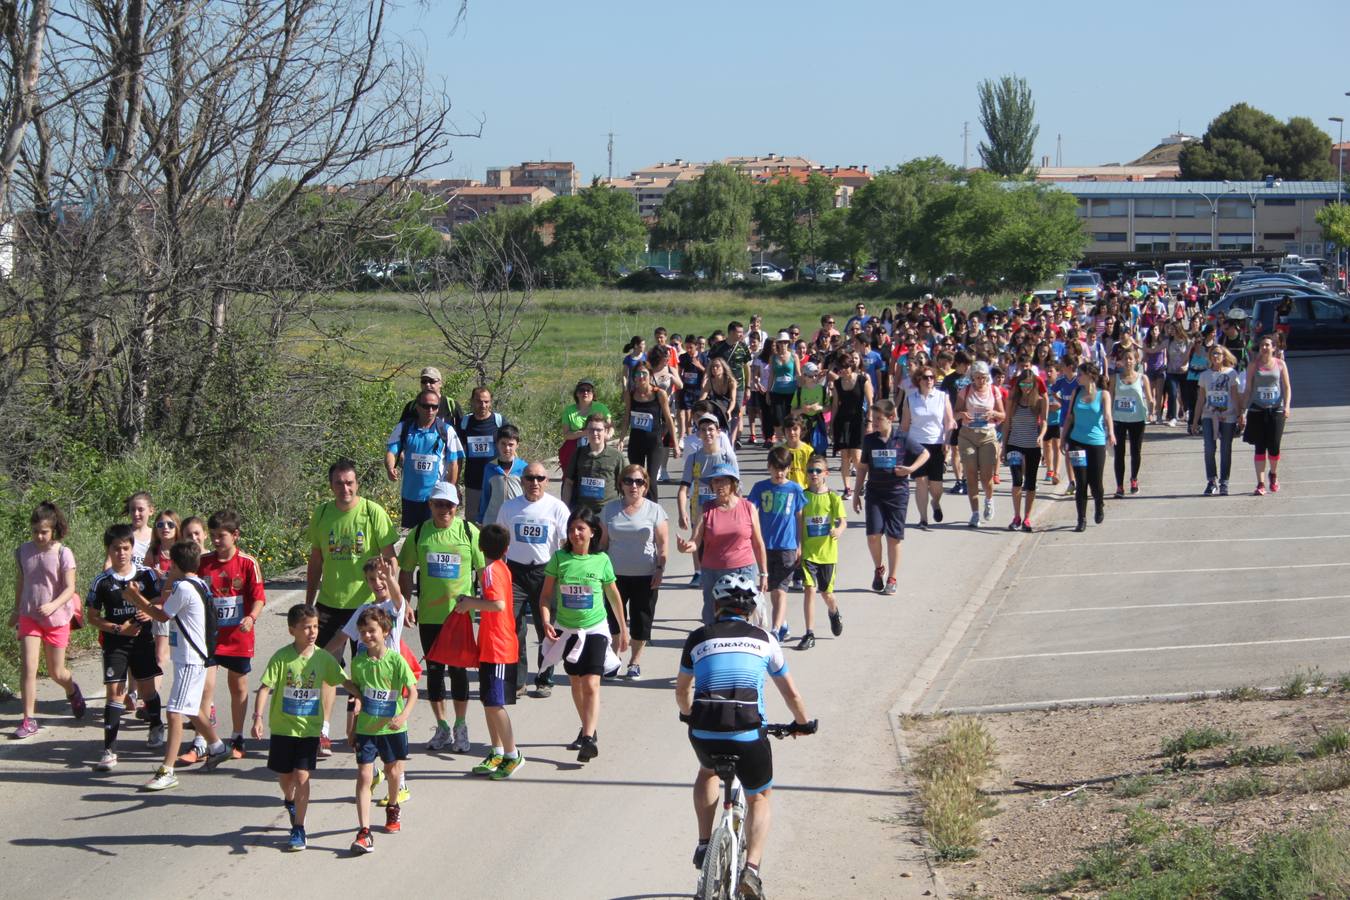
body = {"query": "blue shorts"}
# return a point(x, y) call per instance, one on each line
point(388, 747)
point(285, 754)
point(239, 664)
point(885, 514)
point(497, 683)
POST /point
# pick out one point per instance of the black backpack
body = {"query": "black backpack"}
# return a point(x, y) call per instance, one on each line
point(212, 627)
point(449, 412)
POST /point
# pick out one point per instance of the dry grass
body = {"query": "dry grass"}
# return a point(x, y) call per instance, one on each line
point(950, 771)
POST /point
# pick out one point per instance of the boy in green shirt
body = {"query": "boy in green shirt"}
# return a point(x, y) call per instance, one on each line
point(387, 689)
point(296, 673)
point(822, 523)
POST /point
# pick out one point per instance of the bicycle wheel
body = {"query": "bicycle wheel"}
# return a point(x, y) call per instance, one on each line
point(719, 872)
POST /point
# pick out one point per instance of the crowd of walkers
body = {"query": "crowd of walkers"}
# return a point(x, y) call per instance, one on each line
point(922, 399)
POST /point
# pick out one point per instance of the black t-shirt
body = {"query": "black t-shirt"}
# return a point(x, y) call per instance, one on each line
point(691, 375)
point(479, 437)
point(105, 596)
point(881, 458)
point(953, 383)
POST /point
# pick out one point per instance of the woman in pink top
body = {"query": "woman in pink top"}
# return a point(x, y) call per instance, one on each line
point(727, 535)
point(44, 602)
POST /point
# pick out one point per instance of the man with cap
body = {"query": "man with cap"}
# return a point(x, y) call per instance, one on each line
point(428, 450)
point(537, 521)
point(478, 435)
point(713, 449)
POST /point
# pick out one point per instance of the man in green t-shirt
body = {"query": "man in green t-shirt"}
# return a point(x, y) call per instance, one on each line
point(343, 533)
point(444, 555)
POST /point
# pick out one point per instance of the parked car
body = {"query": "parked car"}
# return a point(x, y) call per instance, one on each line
point(867, 276)
point(1176, 280)
point(1315, 323)
point(1246, 299)
point(668, 274)
point(765, 272)
point(829, 273)
point(1082, 286)
point(1149, 277)
point(1045, 299)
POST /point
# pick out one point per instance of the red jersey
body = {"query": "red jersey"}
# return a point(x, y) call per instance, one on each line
point(235, 587)
point(497, 630)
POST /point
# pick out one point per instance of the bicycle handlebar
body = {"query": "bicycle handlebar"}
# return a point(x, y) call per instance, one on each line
point(792, 728)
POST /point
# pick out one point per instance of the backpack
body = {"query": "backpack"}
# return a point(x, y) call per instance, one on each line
point(211, 627)
point(469, 529)
point(442, 422)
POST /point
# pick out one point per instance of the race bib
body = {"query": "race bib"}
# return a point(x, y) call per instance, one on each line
point(691, 378)
point(1078, 458)
point(531, 531)
point(592, 488)
point(817, 526)
point(296, 701)
point(1125, 404)
point(577, 596)
point(229, 610)
point(643, 421)
point(173, 637)
point(979, 422)
point(423, 462)
point(443, 565)
point(1014, 459)
point(884, 459)
point(1218, 399)
point(783, 380)
point(1055, 417)
point(705, 492)
point(379, 702)
point(480, 446)
point(1268, 396)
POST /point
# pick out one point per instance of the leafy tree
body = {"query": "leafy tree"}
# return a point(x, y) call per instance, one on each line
point(709, 219)
point(595, 233)
point(1008, 115)
point(789, 213)
point(842, 239)
point(1335, 222)
point(886, 211)
point(497, 249)
point(1245, 144)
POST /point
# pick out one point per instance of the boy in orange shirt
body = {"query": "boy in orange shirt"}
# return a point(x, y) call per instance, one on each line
point(497, 652)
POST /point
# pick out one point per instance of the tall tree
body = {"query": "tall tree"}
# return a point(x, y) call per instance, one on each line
point(1246, 144)
point(596, 232)
point(886, 211)
point(710, 220)
point(788, 212)
point(1008, 115)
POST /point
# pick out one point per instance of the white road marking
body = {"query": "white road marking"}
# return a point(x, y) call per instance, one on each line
point(1189, 571)
point(1225, 540)
point(1082, 609)
point(1309, 640)
point(1117, 520)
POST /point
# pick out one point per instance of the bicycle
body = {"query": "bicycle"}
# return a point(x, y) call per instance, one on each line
point(725, 857)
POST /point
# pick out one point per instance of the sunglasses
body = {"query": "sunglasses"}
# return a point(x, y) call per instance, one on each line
point(816, 471)
point(430, 381)
point(429, 405)
point(634, 482)
point(534, 479)
point(165, 525)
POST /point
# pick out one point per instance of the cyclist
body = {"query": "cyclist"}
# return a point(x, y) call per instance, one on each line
point(720, 692)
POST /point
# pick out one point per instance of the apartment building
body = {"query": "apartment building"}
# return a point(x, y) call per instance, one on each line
point(466, 204)
point(558, 177)
point(1156, 218)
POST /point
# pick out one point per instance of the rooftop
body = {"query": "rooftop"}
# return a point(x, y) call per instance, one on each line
point(1188, 188)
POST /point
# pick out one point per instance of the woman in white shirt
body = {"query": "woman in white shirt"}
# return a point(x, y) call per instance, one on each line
point(928, 419)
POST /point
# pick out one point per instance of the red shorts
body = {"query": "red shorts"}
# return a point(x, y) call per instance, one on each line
point(53, 637)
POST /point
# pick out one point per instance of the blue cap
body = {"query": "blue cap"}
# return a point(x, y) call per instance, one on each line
point(721, 470)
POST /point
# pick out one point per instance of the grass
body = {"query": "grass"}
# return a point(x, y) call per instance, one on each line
point(1196, 739)
point(1269, 755)
point(1134, 786)
point(1332, 775)
point(950, 771)
point(1302, 682)
point(1247, 786)
point(1343, 682)
point(1155, 860)
point(1244, 692)
point(1331, 742)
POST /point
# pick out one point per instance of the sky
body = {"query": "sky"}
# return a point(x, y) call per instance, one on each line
point(860, 82)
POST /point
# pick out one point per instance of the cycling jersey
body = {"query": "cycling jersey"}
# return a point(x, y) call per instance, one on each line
point(728, 661)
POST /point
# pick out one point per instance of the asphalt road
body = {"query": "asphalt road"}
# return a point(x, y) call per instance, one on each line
point(1177, 593)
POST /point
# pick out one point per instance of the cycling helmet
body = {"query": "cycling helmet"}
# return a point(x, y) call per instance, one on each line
point(735, 593)
point(1237, 314)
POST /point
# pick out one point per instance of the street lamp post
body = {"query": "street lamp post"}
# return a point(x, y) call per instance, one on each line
point(1213, 216)
point(1251, 197)
point(1340, 177)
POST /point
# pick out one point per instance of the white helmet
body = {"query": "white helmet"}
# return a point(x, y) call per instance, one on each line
point(735, 593)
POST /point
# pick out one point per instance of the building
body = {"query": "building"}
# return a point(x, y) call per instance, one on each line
point(1340, 157)
point(558, 177)
point(466, 204)
point(1158, 219)
point(1162, 163)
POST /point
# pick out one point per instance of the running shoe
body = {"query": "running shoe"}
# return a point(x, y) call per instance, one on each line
point(989, 509)
point(937, 511)
point(107, 762)
point(848, 494)
point(1172, 423)
point(588, 750)
point(1026, 526)
point(1099, 515)
point(923, 525)
point(1134, 485)
point(807, 642)
point(364, 843)
point(879, 579)
point(543, 691)
point(325, 746)
point(508, 767)
point(634, 673)
point(215, 758)
point(155, 739)
point(297, 839)
point(163, 780)
point(576, 742)
point(440, 737)
point(750, 885)
point(237, 750)
point(27, 728)
point(289, 806)
point(195, 754)
point(783, 632)
point(460, 743)
point(1015, 524)
point(997, 480)
point(700, 852)
point(1210, 488)
point(1223, 489)
point(77, 704)
point(974, 520)
point(695, 579)
point(1120, 491)
point(489, 764)
point(1274, 483)
point(891, 587)
point(1260, 489)
point(404, 795)
point(1081, 526)
point(392, 816)
point(836, 623)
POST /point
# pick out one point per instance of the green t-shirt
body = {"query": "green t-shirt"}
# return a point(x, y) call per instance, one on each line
point(579, 594)
point(347, 540)
point(294, 709)
point(821, 512)
point(448, 558)
point(575, 421)
point(381, 682)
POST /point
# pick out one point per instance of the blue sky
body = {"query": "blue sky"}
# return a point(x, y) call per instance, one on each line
point(861, 82)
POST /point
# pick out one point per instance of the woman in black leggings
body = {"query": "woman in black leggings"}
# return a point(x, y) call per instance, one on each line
point(1131, 399)
point(647, 421)
point(1022, 450)
point(1089, 427)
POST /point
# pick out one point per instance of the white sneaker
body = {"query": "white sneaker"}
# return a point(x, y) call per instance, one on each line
point(989, 509)
point(461, 740)
point(439, 738)
point(1171, 423)
point(163, 780)
point(106, 762)
point(974, 520)
point(155, 741)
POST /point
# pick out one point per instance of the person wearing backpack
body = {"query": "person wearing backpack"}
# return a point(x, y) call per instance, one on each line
point(448, 411)
point(429, 451)
point(478, 434)
point(192, 641)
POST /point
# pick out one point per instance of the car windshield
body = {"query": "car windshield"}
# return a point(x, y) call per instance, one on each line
point(1081, 281)
point(1148, 273)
